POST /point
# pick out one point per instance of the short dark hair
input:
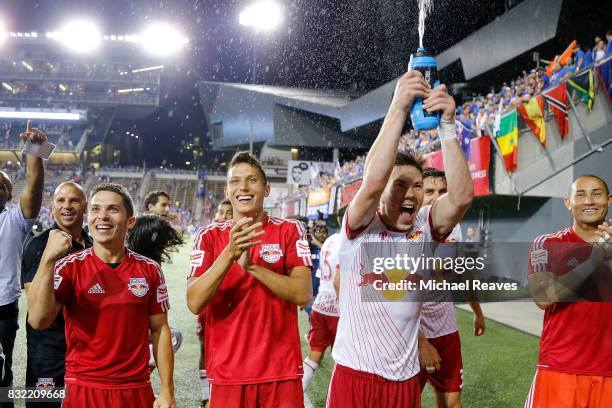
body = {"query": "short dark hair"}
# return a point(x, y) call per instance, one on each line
point(410, 158)
point(153, 237)
point(153, 197)
point(433, 172)
point(595, 177)
point(226, 201)
point(117, 189)
point(248, 158)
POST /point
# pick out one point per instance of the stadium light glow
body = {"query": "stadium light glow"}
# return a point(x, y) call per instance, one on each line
point(162, 39)
point(130, 90)
point(62, 87)
point(80, 36)
point(135, 71)
point(7, 87)
point(28, 66)
point(262, 16)
point(39, 115)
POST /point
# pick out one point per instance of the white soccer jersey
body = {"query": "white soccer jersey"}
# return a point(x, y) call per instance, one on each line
point(379, 337)
point(438, 311)
point(326, 301)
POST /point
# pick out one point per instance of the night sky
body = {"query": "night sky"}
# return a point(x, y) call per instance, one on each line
point(338, 44)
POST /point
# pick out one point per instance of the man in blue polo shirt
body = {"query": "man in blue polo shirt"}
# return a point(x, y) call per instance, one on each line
point(15, 223)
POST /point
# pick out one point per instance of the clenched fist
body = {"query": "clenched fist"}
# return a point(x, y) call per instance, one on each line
point(58, 245)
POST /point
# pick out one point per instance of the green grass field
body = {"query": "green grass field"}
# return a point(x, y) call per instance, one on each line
point(498, 367)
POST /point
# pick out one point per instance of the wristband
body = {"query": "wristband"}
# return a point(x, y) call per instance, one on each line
point(447, 130)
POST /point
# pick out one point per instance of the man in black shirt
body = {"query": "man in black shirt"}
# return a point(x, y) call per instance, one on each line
point(47, 348)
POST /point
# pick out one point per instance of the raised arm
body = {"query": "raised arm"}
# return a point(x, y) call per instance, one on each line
point(450, 207)
point(381, 157)
point(42, 305)
point(31, 198)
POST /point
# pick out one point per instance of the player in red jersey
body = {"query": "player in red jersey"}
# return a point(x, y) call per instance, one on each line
point(111, 298)
point(570, 277)
point(251, 273)
point(224, 213)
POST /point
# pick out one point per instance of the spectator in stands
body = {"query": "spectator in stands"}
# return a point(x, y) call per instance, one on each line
point(609, 39)
point(578, 57)
point(600, 51)
point(15, 223)
point(157, 203)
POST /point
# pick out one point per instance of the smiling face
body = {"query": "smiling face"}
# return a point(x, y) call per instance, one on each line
point(69, 207)
point(402, 197)
point(246, 189)
point(588, 201)
point(108, 218)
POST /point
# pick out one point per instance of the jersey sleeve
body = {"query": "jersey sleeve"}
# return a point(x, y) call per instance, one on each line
point(538, 256)
point(202, 256)
point(159, 301)
point(63, 282)
point(297, 248)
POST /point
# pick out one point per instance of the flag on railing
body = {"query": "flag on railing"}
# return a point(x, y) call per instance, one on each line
point(532, 113)
point(557, 100)
point(584, 85)
point(507, 139)
point(465, 136)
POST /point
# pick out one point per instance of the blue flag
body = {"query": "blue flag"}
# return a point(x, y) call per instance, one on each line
point(465, 136)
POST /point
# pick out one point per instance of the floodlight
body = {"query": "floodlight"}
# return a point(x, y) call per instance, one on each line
point(265, 15)
point(162, 39)
point(81, 36)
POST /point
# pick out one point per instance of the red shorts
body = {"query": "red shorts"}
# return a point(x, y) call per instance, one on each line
point(322, 333)
point(79, 396)
point(277, 394)
point(563, 390)
point(450, 377)
point(350, 388)
point(201, 321)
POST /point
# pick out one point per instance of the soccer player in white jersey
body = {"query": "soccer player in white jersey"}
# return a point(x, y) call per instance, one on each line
point(324, 316)
point(439, 343)
point(376, 348)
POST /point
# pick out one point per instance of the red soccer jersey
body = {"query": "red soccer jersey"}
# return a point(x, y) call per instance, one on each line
point(107, 317)
point(251, 334)
point(576, 335)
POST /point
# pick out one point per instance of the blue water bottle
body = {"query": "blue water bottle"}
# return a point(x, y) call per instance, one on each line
point(426, 64)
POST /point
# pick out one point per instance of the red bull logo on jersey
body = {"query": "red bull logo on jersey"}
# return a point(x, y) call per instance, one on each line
point(415, 236)
point(138, 286)
point(45, 383)
point(270, 253)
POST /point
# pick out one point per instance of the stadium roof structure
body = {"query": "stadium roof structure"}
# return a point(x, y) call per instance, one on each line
point(231, 108)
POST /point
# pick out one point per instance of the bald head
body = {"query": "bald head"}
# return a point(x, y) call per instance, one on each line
point(586, 177)
point(72, 184)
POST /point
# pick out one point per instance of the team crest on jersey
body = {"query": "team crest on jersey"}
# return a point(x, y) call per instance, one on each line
point(539, 257)
point(197, 258)
point(303, 249)
point(415, 236)
point(138, 286)
point(45, 383)
point(270, 253)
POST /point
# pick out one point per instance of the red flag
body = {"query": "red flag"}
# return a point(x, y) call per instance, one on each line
point(532, 114)
point(557, 99)
point(434, 159)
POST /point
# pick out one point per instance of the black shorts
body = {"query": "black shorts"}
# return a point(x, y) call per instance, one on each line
point(45, 373)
